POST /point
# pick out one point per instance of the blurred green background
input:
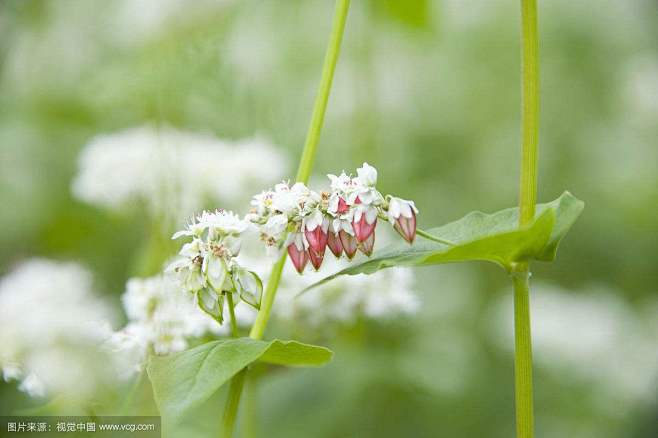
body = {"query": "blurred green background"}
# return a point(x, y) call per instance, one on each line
point(426, 91)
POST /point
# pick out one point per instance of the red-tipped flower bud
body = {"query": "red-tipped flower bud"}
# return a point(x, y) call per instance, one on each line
point(349, 243)
point(342, 206)
point(367, 245)
point(299, 257)
point(365, 220)
point(402, 214)
point(316, 258)
point(333, 242)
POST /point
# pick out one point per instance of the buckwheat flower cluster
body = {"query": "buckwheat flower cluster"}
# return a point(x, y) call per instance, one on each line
point(344, 218)
point(161, 319)
point(206, 266)
point(51, 326)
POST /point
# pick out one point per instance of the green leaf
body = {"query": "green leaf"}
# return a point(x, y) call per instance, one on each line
point(184, 380)
point(493, 237)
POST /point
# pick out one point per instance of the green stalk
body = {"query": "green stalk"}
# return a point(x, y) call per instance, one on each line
point(530, 111)
point(303, 174)
point(250, 408)
point(527, 201)
point(330, 59)
point(234, 323)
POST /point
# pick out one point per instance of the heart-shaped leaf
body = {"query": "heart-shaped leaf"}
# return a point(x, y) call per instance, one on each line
point(493, 237)
point(184, 380)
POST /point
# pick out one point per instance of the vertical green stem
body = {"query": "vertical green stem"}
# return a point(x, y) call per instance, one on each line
point(309, 152)
point(530, 110)
point(527, 201)
point(303, 174)
point(330, 59)
point(523, 353)
point(234, 323)
point(251, 407)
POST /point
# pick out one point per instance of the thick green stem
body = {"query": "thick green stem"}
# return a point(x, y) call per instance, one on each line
point(527, 201)
point(250, 408)
point(530, 111)
point(522, 352)
point(303, 174)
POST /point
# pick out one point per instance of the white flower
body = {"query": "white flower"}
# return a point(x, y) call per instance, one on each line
point(218, 222)
point(162, 317)
point(367, 175)
point(275, 225)
point(400, 207)
point(341, 183)
point(222, 222)
point(262, 202)
point(51, 325)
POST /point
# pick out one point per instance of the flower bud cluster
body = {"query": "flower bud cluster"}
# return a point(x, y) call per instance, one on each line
point(207, 266)
point(343, 219)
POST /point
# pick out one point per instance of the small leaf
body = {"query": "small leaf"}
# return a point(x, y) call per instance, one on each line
point(182, 381)
point(493, 237)
point(249, 286)
point(211, 303)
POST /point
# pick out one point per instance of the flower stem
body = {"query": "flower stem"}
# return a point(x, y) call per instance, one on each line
point(428, 236)
point(330, 59)
point(303, 174)
point(530, 111)
point(527, 201)
point(234, 323)
point(522, 352)
point(258, 329)
point(309, 152)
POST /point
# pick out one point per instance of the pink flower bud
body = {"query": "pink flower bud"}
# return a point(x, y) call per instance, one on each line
point(333, 242)
point(406, 226)
point(363, 229)
point(342, 206)
point(316, 258)
point(349, 243)
point(317, 239)
point(402, 214)
point(367, 245)
point(299, 257)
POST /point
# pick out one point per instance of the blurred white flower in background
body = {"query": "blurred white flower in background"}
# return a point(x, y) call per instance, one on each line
point(171, 171)
point(162, 318)
point(385, 294)
point(594, 337)
point(51, 323)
